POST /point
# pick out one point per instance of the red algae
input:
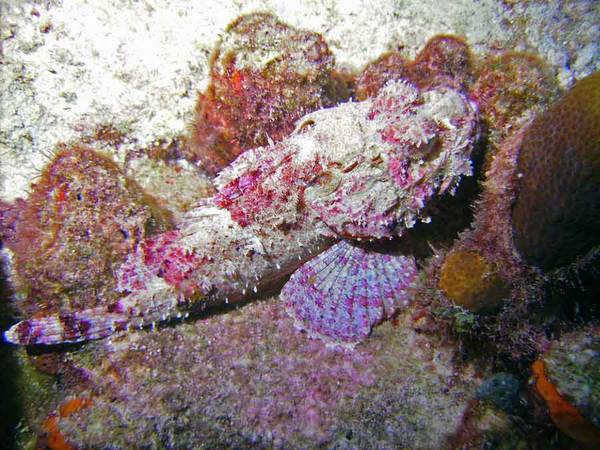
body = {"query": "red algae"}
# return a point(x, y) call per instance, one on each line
point(507, 86)
point(444, 61)
point(80, 221)
point(388, 67)
point(264, 75)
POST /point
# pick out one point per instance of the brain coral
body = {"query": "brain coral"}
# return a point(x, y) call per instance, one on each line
point(557, 211)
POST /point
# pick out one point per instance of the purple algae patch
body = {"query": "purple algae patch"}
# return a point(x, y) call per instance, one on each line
point(344, 292)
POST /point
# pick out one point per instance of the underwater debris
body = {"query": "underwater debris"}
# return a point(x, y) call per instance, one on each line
point(557, 210)
point(358, 170)
point(264, 76)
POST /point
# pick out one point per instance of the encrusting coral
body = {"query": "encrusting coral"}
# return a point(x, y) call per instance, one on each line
point(567, 376)
point(249, 379)
point(470, 281)
point(264, 76)
point(483, 268)
point(507, 86)
point(444, 61)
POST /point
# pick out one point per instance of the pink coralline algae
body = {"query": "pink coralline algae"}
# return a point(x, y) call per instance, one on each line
point(81, 220)
point(358, 171)
point(248, 379)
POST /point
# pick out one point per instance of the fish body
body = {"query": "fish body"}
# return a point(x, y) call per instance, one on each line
point(359, 171)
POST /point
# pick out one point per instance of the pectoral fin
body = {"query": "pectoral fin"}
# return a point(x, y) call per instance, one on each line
point(344, 292)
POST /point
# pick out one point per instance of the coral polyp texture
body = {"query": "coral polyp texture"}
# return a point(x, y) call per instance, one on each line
point(557, 211)
point(360, 170)
point(264, 75)
point(81, 220)
point(470, 281)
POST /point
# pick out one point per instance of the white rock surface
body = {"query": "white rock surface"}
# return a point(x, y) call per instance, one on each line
point(71, 66)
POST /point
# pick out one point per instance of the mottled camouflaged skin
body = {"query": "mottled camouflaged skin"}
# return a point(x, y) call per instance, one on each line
point(360, 170)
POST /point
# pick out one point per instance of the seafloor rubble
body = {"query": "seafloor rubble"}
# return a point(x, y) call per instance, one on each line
point(451, 370)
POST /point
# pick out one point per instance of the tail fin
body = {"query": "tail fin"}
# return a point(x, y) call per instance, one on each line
point(147, 306)
point(94, 323)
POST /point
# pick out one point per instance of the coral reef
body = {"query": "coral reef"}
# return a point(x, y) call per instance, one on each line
point(358, 170)
point(388, 67)
point(486, 251)
point(482, 270)
point(324, 195)
point(81, 220)
point(265, 75)
point(557, 211)
point(486, 426)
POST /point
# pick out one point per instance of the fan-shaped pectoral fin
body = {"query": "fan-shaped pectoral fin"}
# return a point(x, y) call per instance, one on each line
point(340, 295)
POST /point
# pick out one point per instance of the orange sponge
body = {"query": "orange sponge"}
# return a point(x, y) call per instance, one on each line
point(469, 280)
point(565, 416)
